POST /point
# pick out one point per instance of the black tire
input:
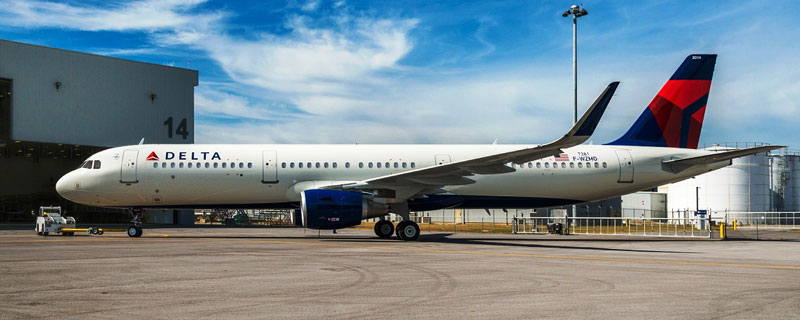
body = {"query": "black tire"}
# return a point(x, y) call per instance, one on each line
point(384, 229)
point(46, 233)
point(133, 231)
point(100, 232)
point(408, 230)
point(139, 232)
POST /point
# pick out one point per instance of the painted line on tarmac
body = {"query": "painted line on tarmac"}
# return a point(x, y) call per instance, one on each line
point(445, 251)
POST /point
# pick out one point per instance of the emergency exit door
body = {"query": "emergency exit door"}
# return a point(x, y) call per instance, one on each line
point(625, 166)
point(128, 172)
point(269, 166)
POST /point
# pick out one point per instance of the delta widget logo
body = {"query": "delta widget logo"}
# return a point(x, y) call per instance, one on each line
point(152, 156)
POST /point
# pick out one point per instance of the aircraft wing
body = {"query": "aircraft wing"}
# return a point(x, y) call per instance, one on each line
point(677, 165)
point(411, 182)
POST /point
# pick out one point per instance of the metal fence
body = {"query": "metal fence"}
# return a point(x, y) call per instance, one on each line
point(685, 227)
point(767, 220)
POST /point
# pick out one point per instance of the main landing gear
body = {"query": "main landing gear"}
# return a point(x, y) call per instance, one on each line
point(406, 230)
point(135, 230)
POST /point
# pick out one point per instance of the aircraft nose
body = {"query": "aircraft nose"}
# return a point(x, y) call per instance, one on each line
point(64, 186)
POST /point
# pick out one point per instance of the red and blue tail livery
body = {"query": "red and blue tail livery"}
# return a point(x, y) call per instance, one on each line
point(675, 116)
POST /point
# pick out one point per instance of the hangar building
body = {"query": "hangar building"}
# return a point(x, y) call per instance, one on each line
point(58, 107)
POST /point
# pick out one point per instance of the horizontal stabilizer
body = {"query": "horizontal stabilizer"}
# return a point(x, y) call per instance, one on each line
point(681, 164)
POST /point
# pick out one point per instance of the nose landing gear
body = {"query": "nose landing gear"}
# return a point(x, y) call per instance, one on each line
point(135, 230)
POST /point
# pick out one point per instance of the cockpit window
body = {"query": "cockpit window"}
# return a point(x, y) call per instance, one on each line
point(96, 164)
point(82, 164)
point(88, 164)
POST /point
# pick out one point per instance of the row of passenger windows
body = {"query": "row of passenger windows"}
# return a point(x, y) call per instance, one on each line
point(309, 165)
point(563, 165)
point(91, 164)
point(224, 165)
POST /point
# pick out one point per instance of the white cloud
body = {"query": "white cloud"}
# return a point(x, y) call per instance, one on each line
point(146, 15)
point(310, 5)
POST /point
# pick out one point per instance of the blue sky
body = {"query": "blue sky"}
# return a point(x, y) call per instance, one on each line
point(437, 71)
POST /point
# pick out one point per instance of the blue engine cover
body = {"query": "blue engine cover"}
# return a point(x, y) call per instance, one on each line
point(331, 209)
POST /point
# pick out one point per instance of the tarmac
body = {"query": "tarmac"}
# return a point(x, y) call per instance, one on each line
point(290, 273)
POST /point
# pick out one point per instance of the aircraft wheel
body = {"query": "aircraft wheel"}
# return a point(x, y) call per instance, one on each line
point(384, 228)
point(134, 231)
point(408, 230)
point(46, 233)
point(139, 232)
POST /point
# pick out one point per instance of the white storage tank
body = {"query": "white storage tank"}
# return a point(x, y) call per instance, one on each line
point(742, 186)
point(795, 178)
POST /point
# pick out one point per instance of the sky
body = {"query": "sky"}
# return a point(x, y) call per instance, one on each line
point(346, 71)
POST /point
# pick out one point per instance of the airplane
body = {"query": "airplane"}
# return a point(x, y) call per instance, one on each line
point(338, 186)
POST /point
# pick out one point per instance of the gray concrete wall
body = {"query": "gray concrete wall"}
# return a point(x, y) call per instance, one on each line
point(101, 101)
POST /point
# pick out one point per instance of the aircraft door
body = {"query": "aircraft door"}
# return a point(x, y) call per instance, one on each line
point(269, 166)
point(625, 166)
point(442, 159)
point(127, 173)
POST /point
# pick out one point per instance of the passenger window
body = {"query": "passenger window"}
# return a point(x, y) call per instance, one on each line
point(555, 165)
point(605, 165)
point(378, 164)
point(396, 165)
point(300, 165)
point(547, 164)
point(155, 165)
point(326, 165)
point(189, 164)
point(347, 165)
point(308, 165)
point(291, 165)
point(163, 165)
point(387, 165)
point(370, 165)
point(96, 164)
point(572, 165)
point(360, 164)
point(580, 164)
point(563, 165)
point(404, 165)
point(413, 165)
point(207, 165)
point(88, 164)
point(172, 165)
point(588, 165)
point(249, 165)
point(216, 165)
point(317, 165)
point(596, 165)
point(225, 165)
point(334, 165)
point(180, 165)
point(233, 165)
point(538, 165)
point(283, 165)
point(198, 165)
point(530, 165)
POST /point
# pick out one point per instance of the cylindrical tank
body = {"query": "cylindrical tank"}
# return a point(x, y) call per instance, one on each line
point(794, 181)
point(742, 186)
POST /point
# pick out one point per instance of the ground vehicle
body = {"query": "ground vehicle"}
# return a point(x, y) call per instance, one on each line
point(50, 220)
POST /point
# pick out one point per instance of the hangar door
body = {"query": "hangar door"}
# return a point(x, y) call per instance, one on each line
point(128, 172)
point(625, 166)
point(269, 166)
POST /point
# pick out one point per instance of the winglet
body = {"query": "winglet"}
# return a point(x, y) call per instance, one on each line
point(584, 128)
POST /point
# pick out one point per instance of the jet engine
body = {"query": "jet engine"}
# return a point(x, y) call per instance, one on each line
point(334, 209)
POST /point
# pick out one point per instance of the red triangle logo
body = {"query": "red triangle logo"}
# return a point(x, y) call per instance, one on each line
point(152, 156)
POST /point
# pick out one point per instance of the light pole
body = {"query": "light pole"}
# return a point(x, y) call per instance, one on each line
point(576, 12)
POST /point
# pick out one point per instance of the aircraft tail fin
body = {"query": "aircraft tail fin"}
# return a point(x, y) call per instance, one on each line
point(675, 116)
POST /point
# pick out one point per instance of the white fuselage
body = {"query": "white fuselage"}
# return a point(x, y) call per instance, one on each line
point(200, 176)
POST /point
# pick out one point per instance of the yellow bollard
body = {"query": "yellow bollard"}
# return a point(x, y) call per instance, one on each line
point(722, 231)
point(734, 224)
